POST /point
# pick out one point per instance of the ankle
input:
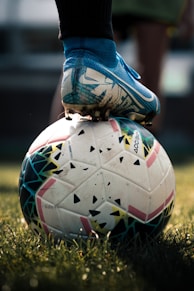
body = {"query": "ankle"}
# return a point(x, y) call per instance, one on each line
point(104, 48)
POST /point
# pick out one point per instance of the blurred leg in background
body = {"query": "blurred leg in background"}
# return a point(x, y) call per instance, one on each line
point(152, 44)
point(149, 24)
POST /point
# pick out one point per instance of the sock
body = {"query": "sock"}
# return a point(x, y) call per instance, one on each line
point(103, 48)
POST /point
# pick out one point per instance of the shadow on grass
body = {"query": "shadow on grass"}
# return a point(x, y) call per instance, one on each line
point(164, 264)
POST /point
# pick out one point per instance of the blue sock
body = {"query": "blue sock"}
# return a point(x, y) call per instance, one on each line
point(104, 48)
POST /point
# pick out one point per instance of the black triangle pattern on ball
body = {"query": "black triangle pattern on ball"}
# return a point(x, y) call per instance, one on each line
point(58, 172)
point(137, 163)
point(148, 144)
point(115, 213)
point(50, 166)
point(92, 149)
point(102, 225)
point(121, 138)
point(94, 199)
point(94, 212)
point(121, 159)
point(59, 146)
point(57, 156)
point(118, 201)
point(127, 142)
point(72, 166)
point(81, 132)
point(76, 199)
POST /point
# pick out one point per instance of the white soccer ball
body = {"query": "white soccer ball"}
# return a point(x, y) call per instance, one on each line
point(81, 177)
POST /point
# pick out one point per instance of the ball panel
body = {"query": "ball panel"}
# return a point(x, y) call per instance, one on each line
point(75, 172)
point(128, 165)
point(83, 136)
point(54, 190)
point(71, 225)
point(89, 195)
point(52, 134)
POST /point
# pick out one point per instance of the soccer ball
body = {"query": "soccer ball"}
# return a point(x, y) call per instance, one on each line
point(81, 178)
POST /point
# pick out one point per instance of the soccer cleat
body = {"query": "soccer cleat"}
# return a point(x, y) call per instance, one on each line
point(91, 88)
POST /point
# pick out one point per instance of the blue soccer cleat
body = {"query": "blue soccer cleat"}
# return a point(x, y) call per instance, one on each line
point(91, 88)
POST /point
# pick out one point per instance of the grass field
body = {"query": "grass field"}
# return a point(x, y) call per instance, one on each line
point(166, 263)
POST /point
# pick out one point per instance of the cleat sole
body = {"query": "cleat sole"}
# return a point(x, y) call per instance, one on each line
point(98, 113)
point(94, 111)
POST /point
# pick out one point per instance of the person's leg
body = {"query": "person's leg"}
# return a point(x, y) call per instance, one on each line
point(85, 18)
point(84, 21)
point(152, 43)
point(96, 80)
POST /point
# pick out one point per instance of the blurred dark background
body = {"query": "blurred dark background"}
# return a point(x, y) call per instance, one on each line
point(31, 58)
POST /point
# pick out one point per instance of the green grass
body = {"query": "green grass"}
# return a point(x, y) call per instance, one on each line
point(28, 263)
